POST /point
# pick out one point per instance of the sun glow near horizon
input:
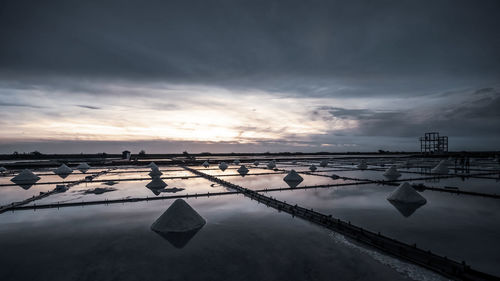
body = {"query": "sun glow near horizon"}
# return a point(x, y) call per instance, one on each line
point(185, 114)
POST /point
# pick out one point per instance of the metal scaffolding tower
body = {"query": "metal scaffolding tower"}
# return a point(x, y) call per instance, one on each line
point(433, 143)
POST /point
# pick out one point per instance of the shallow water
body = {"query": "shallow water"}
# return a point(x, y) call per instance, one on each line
point(9, 194)
point(276, 181)
point(127, 189)
point(461, 227)
point(242, 239)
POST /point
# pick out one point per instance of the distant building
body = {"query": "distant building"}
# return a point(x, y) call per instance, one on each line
point(126, 155)
point(433, 143)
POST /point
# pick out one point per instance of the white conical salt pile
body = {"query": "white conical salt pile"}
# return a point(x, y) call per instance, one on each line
point(152, 165)
point(179, 217)
point(406, 194)
point(205, 164)
point(312, 168)
point(155, 172)
point(323, 163)
point(441, 168)
point(63, 170)
point(362, 165)
point(83, 167)
point(271, 164)
point(2, 169)
point(25, 176)
point(392, 172)
point(293, 179)
point(236, 162)
point(223, 166)
point(256, 163)
point(156, 183)
point(243, 170)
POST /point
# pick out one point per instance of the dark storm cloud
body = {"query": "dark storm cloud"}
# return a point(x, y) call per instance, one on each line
point(383, 47)
point(345, 113)
point(89, 107)
point(163, 106)
point(14, 104)
point(137, 55)
point(478, 115)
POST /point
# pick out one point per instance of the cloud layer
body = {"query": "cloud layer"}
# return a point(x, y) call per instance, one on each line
point(321, 74)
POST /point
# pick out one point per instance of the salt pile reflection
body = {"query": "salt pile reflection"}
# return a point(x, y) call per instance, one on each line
point(179, 223)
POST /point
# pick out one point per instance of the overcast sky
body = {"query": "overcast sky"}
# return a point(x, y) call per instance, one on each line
point(167, 76)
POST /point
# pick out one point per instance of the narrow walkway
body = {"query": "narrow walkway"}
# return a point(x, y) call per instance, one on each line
point(117, 201)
